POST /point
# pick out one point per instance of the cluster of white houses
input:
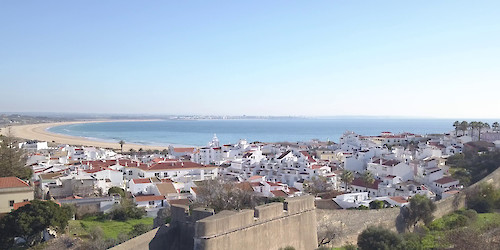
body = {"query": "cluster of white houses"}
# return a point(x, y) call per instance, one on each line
point(403, 165)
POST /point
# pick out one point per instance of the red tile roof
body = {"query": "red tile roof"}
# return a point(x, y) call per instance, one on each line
point(309, 157)
point(360, 183)
point(184, 202)
point(183, 150)
point(273, 184)
point(149, 198)
point(255, 177)
point(177, 165)
point(399, 199)
point(445, 180)
point(279, 193)
point(12, 182)
point(20, 204)
point(141, 181)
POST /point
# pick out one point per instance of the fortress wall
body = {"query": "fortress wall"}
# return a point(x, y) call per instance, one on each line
point(348, 224)
point(270, 226)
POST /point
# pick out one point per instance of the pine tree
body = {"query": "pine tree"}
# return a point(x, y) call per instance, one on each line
point(12, 160)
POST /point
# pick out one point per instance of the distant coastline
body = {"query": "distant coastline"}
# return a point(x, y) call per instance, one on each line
point(40, 132)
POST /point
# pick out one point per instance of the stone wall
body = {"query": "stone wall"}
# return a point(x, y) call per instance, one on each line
point(346, 225)
point(270, 226)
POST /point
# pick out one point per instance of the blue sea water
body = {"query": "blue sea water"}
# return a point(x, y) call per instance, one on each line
point(199, 132)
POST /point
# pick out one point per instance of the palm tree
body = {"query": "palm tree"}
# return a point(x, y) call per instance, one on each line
point(347, 177)
point(121, 142)
point(472, 126)
point(482, 125)
point(463, 126)
point(367, 179)
point(140, 151)
point(495, 126)
point(456, 124)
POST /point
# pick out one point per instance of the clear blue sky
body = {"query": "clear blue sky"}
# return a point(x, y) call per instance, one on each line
point(314, 58)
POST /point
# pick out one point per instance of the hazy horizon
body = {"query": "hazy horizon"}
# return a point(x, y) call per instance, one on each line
point(436, 60)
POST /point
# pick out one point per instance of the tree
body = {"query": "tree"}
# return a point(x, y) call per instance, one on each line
point(483, 198)
point(317, 185)
point(218, 195)
point(472, 126)
point(482, 125)
point(116, 190)
point(456, 124)
point(368, 179)
point(13, 160)
point(347, 177)
point(463, 126)
point(121, 142)
point(495, 126)
point(419, 209)
point(374, 238)
point(30, 220)
point(376, 204)
point(127, 209)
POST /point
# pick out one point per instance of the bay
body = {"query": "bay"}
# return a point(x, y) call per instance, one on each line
point(199, 132)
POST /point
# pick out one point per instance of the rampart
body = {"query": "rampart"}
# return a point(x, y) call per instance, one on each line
point(344, 226)
point(270, 226)
point(278, 225)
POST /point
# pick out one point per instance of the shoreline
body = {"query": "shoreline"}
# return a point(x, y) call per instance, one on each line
point(40, 132)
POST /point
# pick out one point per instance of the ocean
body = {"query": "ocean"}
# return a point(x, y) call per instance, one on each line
point(200, 132)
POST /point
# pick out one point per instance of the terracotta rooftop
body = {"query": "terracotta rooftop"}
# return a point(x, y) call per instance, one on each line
point(176, 165)
point(255, 177)
point(12, 182)
point(360, 183)
point(183, 150)
point(184, 202)
point(309, 157)
point(149, 198)
point(20, 204)
point(166, 188)
point(279, 193)
point(399, 199)
point(445, 180)
point(141, 181)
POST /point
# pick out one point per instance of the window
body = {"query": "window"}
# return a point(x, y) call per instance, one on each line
point(11, 203)
point(130, 172)
point(151, 203)
point(157, 174)
point(25, 200)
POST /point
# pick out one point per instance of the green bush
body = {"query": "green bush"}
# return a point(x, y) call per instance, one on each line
point(456, 221)
point(127, 209)
point(374, 238)
point(116, 190)
point(377, 204)
point(139, 229)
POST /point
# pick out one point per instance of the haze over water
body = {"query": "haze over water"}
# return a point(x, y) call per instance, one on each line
point(199, 132)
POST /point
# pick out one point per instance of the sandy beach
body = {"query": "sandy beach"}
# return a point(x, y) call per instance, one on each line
point(39, 132)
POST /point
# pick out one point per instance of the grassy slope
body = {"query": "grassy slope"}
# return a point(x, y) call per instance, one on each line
point(111, 228)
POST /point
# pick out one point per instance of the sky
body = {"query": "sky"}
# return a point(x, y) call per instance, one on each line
point(436, 59)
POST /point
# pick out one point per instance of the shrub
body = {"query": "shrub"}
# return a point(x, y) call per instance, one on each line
point(116, 190)
point(374, 238)
point(377, 204)
point(139, 229)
